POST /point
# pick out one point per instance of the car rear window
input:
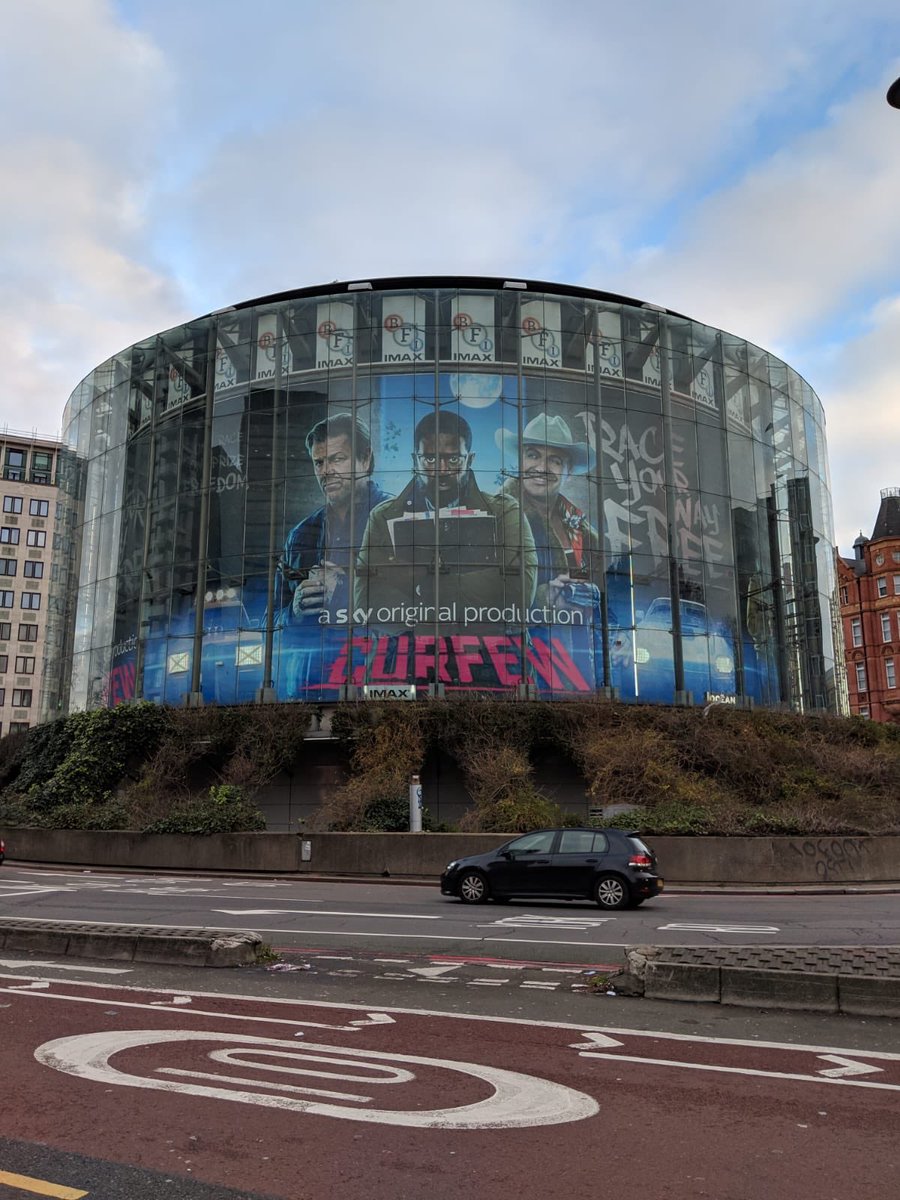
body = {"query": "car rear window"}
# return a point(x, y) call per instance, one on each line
point(640, 847)
point(582, 841)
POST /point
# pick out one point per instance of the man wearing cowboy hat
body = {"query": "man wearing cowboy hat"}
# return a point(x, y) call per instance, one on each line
point(563, 536)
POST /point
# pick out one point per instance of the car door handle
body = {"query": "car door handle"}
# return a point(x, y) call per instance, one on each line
point(538, 862)
point(592, 860)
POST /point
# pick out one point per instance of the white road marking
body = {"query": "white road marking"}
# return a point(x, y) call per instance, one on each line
point(545, 985)
point(28, 889)
point(375, 1018)
point(689, 1066)
point(15, 965)
point(433, 972)
point(447, 1015)
point(241, 912)
point(488, 982)
point(392, 960)
point(517, 1101)
point(595, 1040)
point(698, 928)
point(847, 1067)
point(535, 921)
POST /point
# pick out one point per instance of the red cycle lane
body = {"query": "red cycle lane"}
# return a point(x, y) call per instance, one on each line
point(306, 1100)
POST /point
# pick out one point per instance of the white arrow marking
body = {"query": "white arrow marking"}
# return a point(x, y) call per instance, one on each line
point(433, 972)
point(697, 928)
point(253, 912)
point(375, 1019)
point(847, 1067)
point(596, 1039)
point(22, 966)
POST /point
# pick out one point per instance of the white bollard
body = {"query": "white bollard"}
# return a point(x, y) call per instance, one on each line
point(415, 805)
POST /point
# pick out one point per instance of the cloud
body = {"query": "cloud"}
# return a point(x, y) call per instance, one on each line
point(783, 248)
point(864, 422)
point(84, 103)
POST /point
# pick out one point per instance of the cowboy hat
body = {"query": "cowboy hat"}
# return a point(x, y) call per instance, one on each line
point(551, 431)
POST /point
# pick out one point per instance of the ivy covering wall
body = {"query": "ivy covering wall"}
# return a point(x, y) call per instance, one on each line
point(143, 767)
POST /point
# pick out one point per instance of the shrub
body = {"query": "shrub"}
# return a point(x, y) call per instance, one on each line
point(224, 810)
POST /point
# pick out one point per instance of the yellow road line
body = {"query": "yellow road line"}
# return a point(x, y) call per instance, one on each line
point(26, 1184)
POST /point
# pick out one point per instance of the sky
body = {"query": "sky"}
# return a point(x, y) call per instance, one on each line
point(735, 163)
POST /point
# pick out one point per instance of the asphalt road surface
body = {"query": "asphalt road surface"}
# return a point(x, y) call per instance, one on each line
point(211, 1094)
point(301, 914)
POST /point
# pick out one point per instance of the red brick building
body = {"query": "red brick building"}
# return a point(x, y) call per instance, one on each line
point(869, 589)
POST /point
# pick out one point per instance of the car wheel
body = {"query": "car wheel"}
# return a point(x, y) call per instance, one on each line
point(473, 888)
point(611, 892)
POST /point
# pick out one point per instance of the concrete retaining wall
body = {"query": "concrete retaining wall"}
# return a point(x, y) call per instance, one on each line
point(838, 861)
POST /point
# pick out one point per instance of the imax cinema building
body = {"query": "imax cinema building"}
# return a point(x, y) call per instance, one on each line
point(420, 487)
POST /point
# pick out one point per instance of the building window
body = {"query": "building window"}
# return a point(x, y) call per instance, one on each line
point(18, 726)
point(897, 585)
point(6, 599)
point(8, 566)
point(885, 627)
point(9, 536)
point(895, 555)
point(36, 537)
point(2, 695)
point(861, 677)
point(41, 466)
point(864, 711)
point(21, 698)
point(15, 465)
point(5, 631)
point(882, 585)
point(4, 663)
point(845, 596)
point(33, 570)
point(12, 504)
point(30, 600)
point(24, 664)
point(890, 672)
point(39, 508)
point(856, 631)
point(27, 633)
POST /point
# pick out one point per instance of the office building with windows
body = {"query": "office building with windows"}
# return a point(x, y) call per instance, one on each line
point(869, 592)
point(29, 467)
point(418, 487)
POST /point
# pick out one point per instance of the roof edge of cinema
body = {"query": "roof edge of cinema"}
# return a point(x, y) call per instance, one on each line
point(478, 282)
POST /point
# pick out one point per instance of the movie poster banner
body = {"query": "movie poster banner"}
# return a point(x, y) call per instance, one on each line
point(457, 546)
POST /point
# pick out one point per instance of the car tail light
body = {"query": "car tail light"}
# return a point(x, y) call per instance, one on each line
point(640, 860)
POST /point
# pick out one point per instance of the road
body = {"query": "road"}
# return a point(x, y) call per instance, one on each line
point(409, 1047)
point(292, 1098)
point(301, 914)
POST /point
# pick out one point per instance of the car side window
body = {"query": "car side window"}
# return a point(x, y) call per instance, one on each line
point(576, 841)
point(601, 843)
point(532, 843)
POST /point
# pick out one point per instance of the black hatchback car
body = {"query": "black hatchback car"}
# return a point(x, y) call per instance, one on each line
point(613, 868)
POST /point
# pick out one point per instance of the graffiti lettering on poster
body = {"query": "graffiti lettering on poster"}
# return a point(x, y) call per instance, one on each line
point(635, 512)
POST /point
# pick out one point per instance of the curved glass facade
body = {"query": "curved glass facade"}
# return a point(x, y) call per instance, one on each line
point(461, 485)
